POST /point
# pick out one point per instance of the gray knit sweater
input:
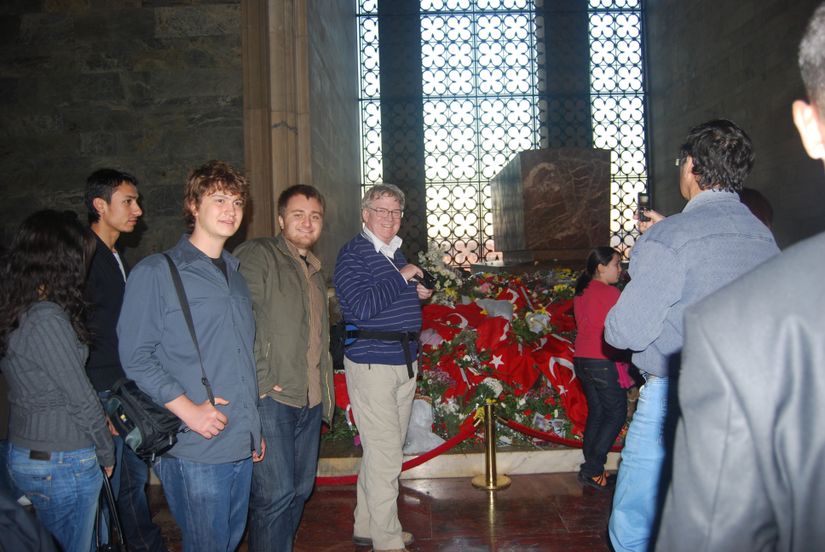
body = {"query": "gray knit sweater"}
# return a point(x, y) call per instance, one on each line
point(53, 405)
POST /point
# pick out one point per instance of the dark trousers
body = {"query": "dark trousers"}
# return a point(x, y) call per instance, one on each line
point(284, 479)
point(606, 410)
point(139, 530)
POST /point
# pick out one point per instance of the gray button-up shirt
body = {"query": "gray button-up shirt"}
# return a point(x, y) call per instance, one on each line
point(157, 351)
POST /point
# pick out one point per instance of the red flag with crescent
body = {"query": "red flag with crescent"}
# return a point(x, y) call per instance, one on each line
point(561, 316)
point(492, 332)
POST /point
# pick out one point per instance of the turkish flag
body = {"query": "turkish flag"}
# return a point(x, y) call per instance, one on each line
point(492, 332)
point(449, 321)
point(517, 294)
point(561, 316)
point(339, 380)
point(555, 360)
point(514, 366)
point(465, 380)
point(437, 318)
point(471, 312)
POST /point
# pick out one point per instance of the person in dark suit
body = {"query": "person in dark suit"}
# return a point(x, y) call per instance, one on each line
point(748, 453)
point(112, 203)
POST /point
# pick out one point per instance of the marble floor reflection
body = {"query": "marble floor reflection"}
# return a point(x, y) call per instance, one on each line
point(545, 512)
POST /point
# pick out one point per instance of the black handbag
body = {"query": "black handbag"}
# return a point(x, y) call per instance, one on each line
point(146, 427)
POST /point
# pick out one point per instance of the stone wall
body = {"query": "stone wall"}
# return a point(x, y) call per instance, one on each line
point(152, 88)
point(336, 148)
point(155, 89)
point(737, 60)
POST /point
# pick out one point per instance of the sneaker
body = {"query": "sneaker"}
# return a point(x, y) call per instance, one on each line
point(406, 537)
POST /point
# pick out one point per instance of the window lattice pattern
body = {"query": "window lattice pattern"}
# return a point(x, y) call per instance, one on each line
point(478, 61)
point(481, 105)
point(372, 166)
point(618, 107)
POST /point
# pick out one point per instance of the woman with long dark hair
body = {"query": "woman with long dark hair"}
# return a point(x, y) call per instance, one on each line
point(595, 363)
point(57, 431)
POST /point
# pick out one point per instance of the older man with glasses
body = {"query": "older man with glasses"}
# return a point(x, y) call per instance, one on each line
point(379, 293)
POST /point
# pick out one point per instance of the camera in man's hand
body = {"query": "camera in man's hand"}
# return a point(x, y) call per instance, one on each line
point(643, 204)
point(427, 280)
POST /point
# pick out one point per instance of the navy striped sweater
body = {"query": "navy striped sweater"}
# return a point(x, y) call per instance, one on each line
point(374, 296)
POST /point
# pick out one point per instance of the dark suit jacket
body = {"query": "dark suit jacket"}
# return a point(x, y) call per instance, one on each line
point(104, 292)
point(749, 458)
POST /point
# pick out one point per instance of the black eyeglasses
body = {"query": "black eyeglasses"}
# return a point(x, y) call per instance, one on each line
point(387, 213)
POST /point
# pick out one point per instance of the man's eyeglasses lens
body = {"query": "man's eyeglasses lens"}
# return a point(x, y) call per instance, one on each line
point(386, 213)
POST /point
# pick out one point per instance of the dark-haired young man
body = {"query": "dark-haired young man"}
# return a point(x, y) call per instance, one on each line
point(206, 476)
point(747, 471)
point(112, 206)
point(675, 263)
point(289, 297)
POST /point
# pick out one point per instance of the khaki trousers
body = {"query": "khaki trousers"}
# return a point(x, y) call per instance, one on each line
point(381, 396)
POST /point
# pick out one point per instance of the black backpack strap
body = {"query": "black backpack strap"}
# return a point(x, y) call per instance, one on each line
point(187, 314)
point(404, 337)
point(115, 529)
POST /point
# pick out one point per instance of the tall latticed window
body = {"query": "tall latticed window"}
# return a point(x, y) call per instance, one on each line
point(482, 85)
point(371, 163)
point(478, 60)
point(617, 93)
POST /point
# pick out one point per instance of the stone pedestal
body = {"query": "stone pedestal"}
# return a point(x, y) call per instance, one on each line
point(552, 204)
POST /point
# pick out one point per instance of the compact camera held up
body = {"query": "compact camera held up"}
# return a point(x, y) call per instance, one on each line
point(427, 279)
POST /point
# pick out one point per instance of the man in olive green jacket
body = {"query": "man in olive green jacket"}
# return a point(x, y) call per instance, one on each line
point(294, 367)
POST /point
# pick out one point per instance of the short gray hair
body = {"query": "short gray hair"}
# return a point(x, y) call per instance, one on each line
point(380, 190)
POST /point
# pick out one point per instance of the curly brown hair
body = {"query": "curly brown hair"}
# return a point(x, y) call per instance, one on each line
point(213, 176)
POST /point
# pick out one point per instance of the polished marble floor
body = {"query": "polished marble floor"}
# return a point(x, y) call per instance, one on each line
point(544, 512)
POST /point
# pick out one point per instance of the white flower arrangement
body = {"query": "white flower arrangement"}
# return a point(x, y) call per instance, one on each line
point(538, 322)
point(494, 385)
point(447, 281)
point(448, 408)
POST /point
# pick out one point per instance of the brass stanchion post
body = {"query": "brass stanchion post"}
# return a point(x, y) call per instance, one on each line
point(490, 480)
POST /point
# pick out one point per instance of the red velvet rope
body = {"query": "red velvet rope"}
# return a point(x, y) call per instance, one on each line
point(465, 431)
point(545, 436)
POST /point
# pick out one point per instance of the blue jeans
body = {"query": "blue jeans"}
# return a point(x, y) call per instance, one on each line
point(63, 490)
point(606, 410)
point(208, 501)
point(129, 481)
point(284, 479)
point(637, 487)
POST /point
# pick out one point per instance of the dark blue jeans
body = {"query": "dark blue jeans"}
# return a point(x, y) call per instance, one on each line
point(606, 410)
point(140, 532)
point(284, 479)
point(209, 502)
